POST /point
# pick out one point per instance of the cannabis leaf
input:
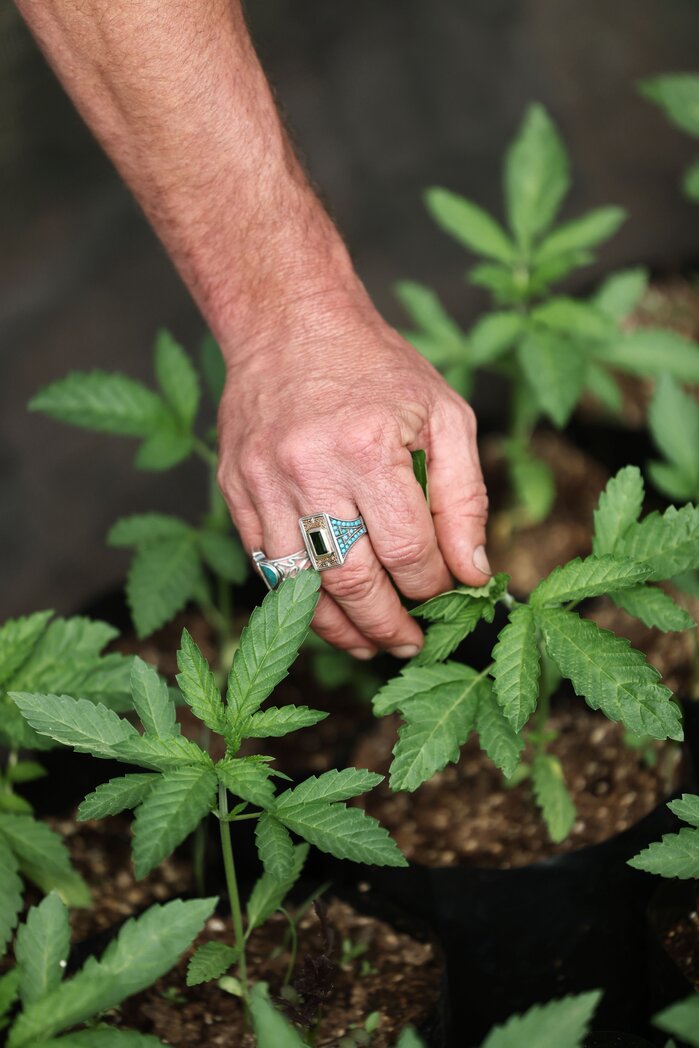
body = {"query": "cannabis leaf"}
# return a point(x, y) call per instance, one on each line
point(666, 544)
point(677, 855)
point(536, 176)
point(346, 833)
point(211, 961)
point(469, 224)
point(277, 721)
point(673, 417)
point(653, 607)
point(681, 1019)
point(111, 403)
point(116, 796)
point(496, 735)
point(555, 370)
point(18, 639)
point(10, 893)
point(152, 700)
point(198, 685)
point(274, 847)
point(41, 949)
point(270, 891)
point(249, 778)
point(588, 577)
point(177, 378)
point(558, 1024)
point(86, 726)
point(172, 809)
point(619, 507)
point(162, 578)
point(42, 857)
point(516, 667)
point(552, 796)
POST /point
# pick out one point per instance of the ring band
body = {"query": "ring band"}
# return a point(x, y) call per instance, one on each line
point(273, 570)
point(327, 541)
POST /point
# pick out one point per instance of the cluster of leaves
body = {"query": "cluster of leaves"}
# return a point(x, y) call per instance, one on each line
point(38, 1004)
point(677, 854)
point(172, 559)
point(442, 702)
point(550, 347)
point(677, 94)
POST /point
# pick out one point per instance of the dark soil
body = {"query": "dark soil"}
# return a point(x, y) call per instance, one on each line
point(681, 942)
point(466, 816)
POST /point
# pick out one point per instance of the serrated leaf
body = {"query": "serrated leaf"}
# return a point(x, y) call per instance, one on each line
point(143, 529)
point(619, 294)
point(18, 638)
point(111, 403)
point(610, 675)
point(274, 847)
point(676, 855)
point(247, 778)
point(443, 638)
point(277, 721)
point(161, 754)
point(87, 726)
point(43, 857)
point(198, 685)
point(619, 507)
point(678, 95)
point(117, 795)
point(9, 992)
point(446, 607)
point(211, 961)
point(558, 1024)
point(671, 481)
point(469, 224)
point(271, 1028)
point(496, 735)
point(588, 577)
point(152, 701)
point(673, 417)
point(173, 808)
point(144, 950)
point(330, 786)
point(164, 449)
point(269, 892)
point(161, 579)
point(555, 370)
point(434, 682)
point(653, 351)
point(41, 949)
point(582, 233)
point(493, 336)
point(428, 313)
point(177, 378)
point(686, 808)
point(269, 644)
point(536, 176)
point(224, 555)
point(681, 1019)
point(346, 833)
point(667, 545)
point(10, 893)
point(655, 608)
point(532, 481)
point(516, 667)
point(552, 796)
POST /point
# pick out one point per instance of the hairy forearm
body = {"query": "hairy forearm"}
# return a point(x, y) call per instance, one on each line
point(174, 92)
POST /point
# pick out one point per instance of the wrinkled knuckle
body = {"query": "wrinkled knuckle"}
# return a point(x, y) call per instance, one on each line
point(253, 466)
point(361, 440)
point(407, 553)
point(475, 500)
point(294, 450)
point(354, 583)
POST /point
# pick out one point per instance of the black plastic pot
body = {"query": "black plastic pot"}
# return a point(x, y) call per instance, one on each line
point(671, 901)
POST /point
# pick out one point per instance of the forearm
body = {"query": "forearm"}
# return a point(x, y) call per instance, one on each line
point(177, 97)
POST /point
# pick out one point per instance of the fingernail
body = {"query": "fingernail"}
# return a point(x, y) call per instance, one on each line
point(480, 560)
point(405, 651)
point(361, 653)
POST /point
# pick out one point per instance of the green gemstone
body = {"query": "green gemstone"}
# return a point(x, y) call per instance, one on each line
point(270, 575)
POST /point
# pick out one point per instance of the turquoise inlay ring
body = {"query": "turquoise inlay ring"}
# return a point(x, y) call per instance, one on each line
point(273, 571)
point(327, 541)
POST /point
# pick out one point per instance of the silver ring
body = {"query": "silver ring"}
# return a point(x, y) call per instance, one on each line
point(273, 570)
point(328, 539)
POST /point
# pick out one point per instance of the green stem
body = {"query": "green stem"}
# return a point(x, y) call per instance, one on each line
point(232, 883)
point(205, 452)
point(293, 949)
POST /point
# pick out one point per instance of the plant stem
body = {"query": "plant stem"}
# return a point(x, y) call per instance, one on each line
point(232, 883)
point(293, 949)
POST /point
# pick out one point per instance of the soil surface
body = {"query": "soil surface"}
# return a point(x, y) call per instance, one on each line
point(465, 815)
point(682, 944)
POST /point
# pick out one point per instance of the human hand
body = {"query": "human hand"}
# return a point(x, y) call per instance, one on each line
point(324, 421)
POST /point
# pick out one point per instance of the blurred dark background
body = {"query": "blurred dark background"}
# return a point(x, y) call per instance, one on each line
point(384, 98)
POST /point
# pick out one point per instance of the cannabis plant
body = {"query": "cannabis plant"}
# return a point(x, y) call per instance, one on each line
point(552, 349)
point(37, 1003)
point(674, 425)
point(677, 94)
point(442, 702)
point(173, 560)
point(181, 784)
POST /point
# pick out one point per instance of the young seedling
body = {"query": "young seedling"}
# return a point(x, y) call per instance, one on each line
point(37, 1003)
point(549, 347)
point(181, 784)
point(677, 94)
point(545, 639)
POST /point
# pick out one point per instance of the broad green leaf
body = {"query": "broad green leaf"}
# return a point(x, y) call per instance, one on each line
point(213, 367)
point(198, 685)
point(161, 754)
point(276, 721)
point(447, 607)
point(588, 577)
point(143, 529)
point(492, 336)
point(18, 638)
point(655, 608)
point(211, 961)
point(555, 371)
point(67, 657)
point(667, 544)
point(676, 855)
point(516, 667)
point(672, 481)
point(619, 507)
point(269, 644)
point(610, 675)
point(43, 858)
point(673, 417)
point(603, 387)
point(686, 808)
point(164, 449)
point(9, 992)
point(558, 1024)
point(678, 95)
point(271, 1028)
point(428, 313)
point(10, 893)
point(274, 847)
point(690, 181)
point(224, 555)
point(152, 701)
point(269, 892)
point(346, 833)
point(330, 786)
point(173, 808)
point(536, 176)
point(247, 778)
point(42, 948)
point(582, 233)
point(87, 726)
point(111, 403)
point(569, 316)
point(437, 724)
point(552, 796)
point(177, 378)
point(619, 294)
point(437, 683)
point(117, 795)
point(496, 735)
point(649, 352)
point(681, 1019)
point(161, 579)
point(532, 480)
point(144, 950)
point(443, 638)
point(469, 224)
